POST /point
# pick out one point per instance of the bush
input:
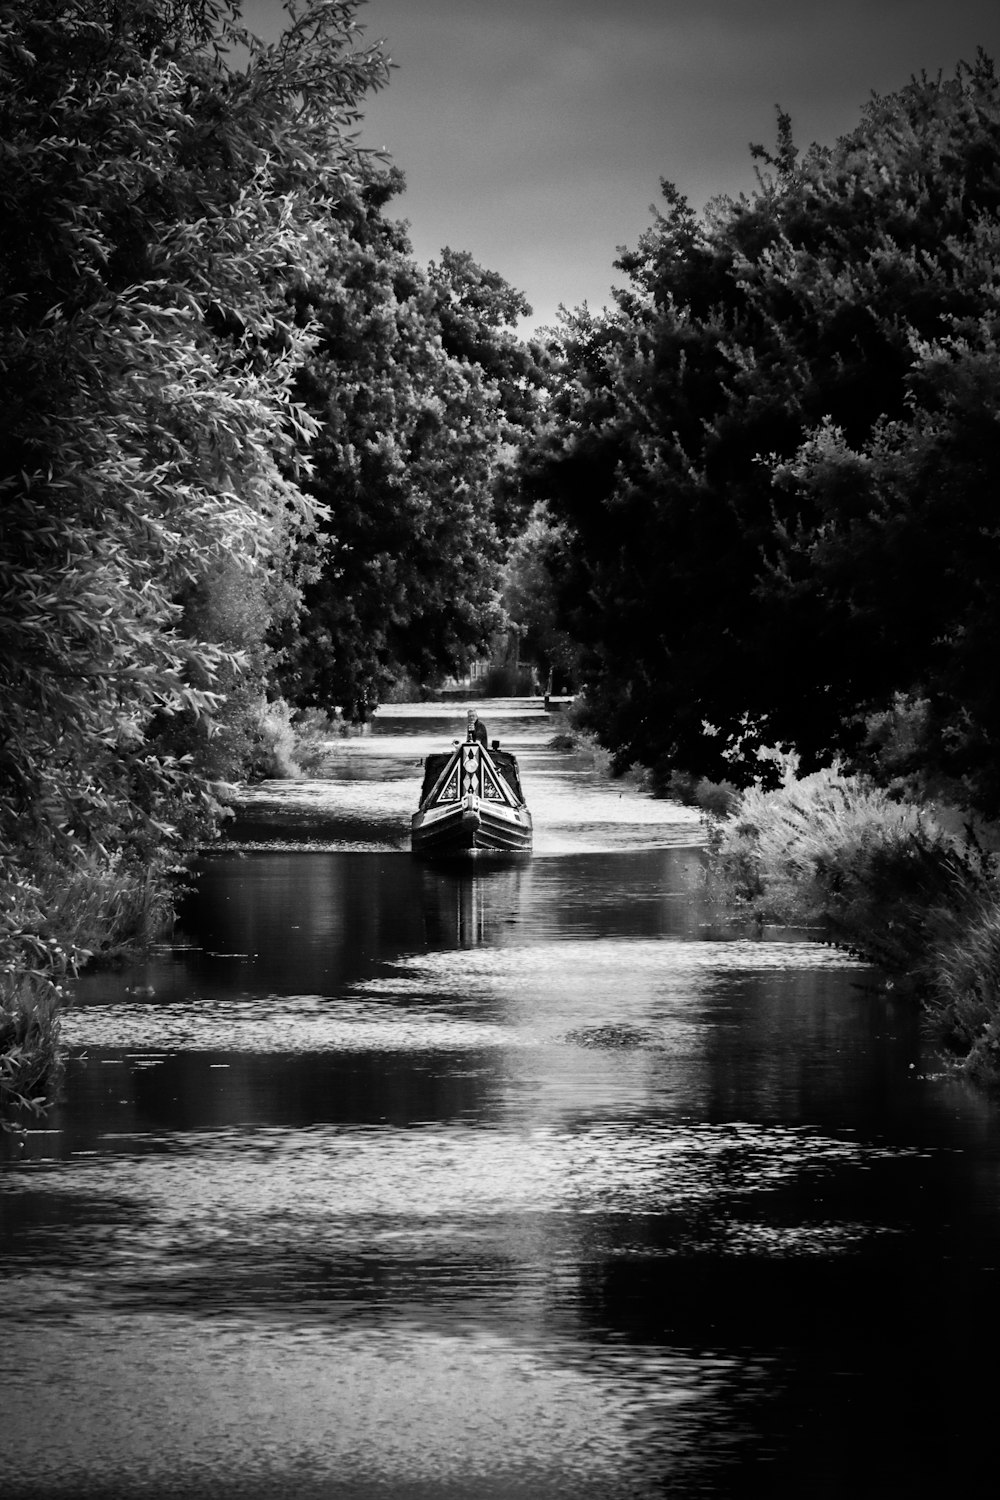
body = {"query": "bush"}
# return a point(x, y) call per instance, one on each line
point(404, 689)
point(274, 750)
point(29, 1035)
point(509, 682)
point(50, 927)
point(805, 849)
point(963, 992)
point(885, 879)
point(157, 204)
point(718, 798)
point(583, 743)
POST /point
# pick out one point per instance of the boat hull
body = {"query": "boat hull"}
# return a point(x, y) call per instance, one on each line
point(471, 828)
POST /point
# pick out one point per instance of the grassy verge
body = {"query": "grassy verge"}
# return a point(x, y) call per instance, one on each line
point(893, 881)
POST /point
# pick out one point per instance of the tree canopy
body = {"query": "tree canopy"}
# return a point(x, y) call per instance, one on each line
point(772, 457)
point(418, 386)
point(157, 200)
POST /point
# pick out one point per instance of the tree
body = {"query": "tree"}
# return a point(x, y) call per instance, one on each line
point(534, 560)
point(744, 445)
point(157, 200)
point(416, 384)
point(906, 551)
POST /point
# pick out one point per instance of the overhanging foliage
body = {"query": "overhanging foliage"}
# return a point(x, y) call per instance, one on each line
point(774, 458)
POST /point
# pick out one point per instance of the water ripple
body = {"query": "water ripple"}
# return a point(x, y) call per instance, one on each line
point(354, 1180)
point(278, 1024)
point(404, 1413)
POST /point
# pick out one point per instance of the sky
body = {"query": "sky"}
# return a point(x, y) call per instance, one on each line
point(534, 133)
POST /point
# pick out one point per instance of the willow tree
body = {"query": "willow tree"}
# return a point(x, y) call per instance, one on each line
point(157, 197)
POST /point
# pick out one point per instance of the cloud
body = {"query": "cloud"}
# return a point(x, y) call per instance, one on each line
point(534, 133)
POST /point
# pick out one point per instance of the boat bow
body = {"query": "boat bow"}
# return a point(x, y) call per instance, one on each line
point(471, 801)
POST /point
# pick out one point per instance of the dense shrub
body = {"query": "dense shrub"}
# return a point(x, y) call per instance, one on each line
point(888, 880)
point(50, 926)
point(157, 204)
point(503, 681)
point(963, 993)
point(29, 1033)
point(771, 465)
point(719, 798)
point(275, 749)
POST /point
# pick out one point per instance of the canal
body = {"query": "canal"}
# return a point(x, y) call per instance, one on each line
point(383, 1181)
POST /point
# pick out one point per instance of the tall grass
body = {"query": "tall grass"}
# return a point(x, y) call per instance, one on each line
point(890, 880)
point(52, 923)
point(717, 798)
point(29, 1038)
point(963, 992)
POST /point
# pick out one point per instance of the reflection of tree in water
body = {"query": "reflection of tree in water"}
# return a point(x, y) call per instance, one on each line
point(311, 923)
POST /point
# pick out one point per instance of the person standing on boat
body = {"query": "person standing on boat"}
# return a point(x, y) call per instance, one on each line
point(476, 729)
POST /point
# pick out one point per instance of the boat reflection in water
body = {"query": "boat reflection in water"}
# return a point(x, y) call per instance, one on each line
point(471, 803)
point(472, 904)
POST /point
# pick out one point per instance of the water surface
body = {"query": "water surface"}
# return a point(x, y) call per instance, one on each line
point(386, 1180)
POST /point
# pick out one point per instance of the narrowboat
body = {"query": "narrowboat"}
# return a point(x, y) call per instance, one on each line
point(471, 803)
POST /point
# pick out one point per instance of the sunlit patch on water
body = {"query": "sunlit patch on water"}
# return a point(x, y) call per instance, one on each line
point(435, 1001)
point(662, 963)
point(331, 798)
point(356, 815)
point(375, 783)
point(488, 1227)
point(279, 1024)
point(307, 845)
point(402, 1413)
